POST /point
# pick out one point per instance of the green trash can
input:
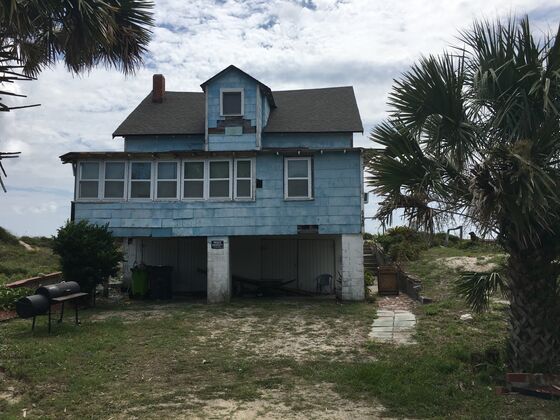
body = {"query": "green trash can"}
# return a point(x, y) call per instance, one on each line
point(139, 282)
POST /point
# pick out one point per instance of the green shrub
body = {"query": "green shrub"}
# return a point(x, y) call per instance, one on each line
point(88, 253)
point(439, 240)
point(38, 241)
point(7, 238)
point(369, 278)
point(9, 297)
point(402, 243)
point(368, 236)
point(406, 251)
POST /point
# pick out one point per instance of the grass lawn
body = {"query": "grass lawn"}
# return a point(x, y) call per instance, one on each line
point(17, 263)
point(278, 358)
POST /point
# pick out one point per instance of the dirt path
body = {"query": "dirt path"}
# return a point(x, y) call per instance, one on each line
point(26, 246)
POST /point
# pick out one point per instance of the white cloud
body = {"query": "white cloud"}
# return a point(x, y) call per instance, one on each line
point(286, 44)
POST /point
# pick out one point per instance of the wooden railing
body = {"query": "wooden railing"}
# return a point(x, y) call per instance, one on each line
point(37, 281)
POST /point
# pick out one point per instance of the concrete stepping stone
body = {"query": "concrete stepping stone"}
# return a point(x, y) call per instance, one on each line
point(394, 327)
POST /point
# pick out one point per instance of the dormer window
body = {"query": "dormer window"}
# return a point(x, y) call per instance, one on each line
point(231, 102)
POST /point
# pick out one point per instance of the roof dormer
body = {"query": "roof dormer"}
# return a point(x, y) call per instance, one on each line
point(237, 110)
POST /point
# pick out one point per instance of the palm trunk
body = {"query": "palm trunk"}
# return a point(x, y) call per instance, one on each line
point(534, 336)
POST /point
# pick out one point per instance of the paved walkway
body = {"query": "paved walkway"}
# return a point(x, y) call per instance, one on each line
point(393, 327)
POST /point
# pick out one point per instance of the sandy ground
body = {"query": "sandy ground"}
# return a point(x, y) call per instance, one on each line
point(312, 402)
point(476, 264)
point(299, 335)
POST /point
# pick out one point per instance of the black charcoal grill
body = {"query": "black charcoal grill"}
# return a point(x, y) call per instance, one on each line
point(45, 296)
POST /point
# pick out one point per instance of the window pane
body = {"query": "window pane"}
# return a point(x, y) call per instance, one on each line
point(167, 189)
point(90, 170)
point(88, 189)
point(167, 170)
point(297, 168)
point(219, 169)
point(231, 103)
point(114, 189)
point(219, 188)
point(194, 170)
point(244, 169)
point(140, 189)
point(194, 189)
point(298, 188)
point(141, 170)
point(244, 188)
point(114, 170)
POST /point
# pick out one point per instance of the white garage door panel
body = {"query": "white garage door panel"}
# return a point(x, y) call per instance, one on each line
point(315, 257)
point(279, 259)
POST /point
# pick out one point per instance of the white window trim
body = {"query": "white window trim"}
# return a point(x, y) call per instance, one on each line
point(177, 180)
point(204, 180)
point(309, 178)
point(124, 180)
point(222, 90)
point(251, 179)
point(99, 183)
point(229, 198)
point(130, 181)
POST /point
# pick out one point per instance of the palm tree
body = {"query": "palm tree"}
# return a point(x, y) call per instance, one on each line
point(475, 132)
point(35, 34)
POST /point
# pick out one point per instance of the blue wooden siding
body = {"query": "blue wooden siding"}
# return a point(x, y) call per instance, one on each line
point(232, 79)
point(336, 206)
point(163, 143)
point(220, 142)
point(243, 142)
point(311, 141)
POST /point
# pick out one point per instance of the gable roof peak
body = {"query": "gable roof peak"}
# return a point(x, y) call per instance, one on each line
point(264, 88)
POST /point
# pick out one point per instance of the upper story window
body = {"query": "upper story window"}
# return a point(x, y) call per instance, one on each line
point(166, 184)
point(193, 184)
point(297, 178)
point(231, 102)
point(88, 185)
point(196, 179)
point(219, 183)
point(243, 178)
point(141, 180)
point(114, 180)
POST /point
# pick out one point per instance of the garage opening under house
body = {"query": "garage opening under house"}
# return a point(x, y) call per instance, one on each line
point(236, 187)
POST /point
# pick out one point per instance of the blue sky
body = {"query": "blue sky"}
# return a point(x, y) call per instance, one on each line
point(287, 44)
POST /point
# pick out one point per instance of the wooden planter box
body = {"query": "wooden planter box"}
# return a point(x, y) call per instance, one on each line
point(388, 280)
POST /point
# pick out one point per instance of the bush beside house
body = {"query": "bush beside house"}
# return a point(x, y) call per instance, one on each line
point(88, 253)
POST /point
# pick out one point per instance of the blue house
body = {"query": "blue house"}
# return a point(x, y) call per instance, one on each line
point(235, 182)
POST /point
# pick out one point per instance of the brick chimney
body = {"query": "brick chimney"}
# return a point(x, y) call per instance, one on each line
point(158, 91)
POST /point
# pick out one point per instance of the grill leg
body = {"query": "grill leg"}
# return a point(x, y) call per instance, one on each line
point(49, 319)
point(76, 309)
point(33, 325)
point(61, 313)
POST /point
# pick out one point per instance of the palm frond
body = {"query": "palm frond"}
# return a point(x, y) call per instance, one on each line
point(478, 288)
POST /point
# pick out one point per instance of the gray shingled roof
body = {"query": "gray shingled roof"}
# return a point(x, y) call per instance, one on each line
point(315, 111)
point(179, 113)
point(297, 111)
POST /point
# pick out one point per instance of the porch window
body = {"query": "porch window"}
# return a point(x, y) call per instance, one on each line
point(88, 186)
point(166, 184)
point(114, 180)
point(141, 180)
point(193, 186)
point(297, 178)
point(231, 103)
point(219, 183)
point(243, 179)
